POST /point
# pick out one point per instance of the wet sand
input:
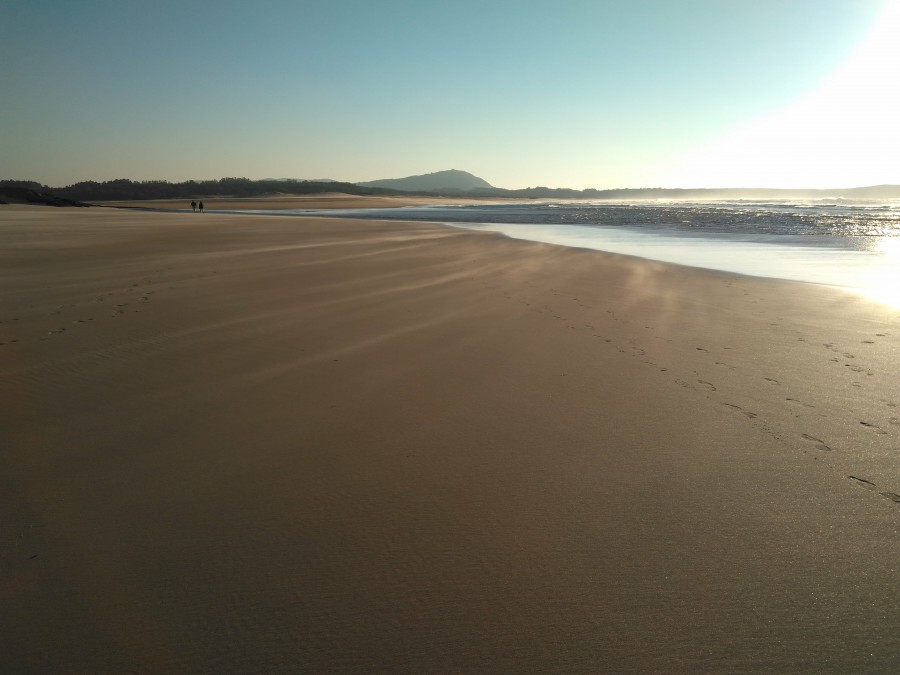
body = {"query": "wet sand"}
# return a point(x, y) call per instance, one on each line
point(244, 444)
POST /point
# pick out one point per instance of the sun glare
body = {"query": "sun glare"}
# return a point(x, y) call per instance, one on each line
point(890, 247)
point(881, 281)
point(844, 134)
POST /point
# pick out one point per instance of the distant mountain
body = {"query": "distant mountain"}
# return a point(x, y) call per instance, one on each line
point(440, 180)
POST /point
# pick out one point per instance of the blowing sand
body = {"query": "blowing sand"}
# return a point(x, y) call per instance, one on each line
point(243, 444)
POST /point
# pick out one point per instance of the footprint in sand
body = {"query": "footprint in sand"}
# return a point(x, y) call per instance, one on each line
point(771, 380)
point(869, 485)
point(708, 385)
point(794, 401)
point(745, 413)
point(820, 444)
point(874, 427)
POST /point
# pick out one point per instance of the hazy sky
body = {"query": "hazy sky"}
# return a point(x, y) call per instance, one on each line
point(560, 93)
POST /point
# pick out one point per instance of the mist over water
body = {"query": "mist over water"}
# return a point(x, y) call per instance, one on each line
point(847, 243)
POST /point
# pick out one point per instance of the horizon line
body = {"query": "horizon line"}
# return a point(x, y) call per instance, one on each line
point(492, 187)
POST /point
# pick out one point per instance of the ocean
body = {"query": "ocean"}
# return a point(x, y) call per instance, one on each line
point(847, 243)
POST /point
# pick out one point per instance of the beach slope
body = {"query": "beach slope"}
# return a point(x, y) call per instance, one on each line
point(234, 443)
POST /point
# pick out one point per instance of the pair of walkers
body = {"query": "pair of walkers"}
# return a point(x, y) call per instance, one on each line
point(195, 206)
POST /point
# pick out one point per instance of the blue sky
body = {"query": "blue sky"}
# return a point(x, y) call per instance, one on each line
point(569, 93)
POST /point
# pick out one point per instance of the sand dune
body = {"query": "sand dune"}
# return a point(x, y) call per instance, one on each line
point(239, 444)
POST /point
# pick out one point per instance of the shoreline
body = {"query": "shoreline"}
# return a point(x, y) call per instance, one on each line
point(869, 270)
point(235, 444)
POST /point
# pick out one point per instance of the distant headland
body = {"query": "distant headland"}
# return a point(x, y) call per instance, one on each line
point(452, 182)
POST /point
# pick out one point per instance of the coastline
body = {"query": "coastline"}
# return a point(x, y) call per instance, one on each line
point(858, 256)
point(239, 443)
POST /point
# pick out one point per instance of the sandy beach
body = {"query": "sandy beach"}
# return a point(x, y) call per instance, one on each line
point(335, 200)
point(269, 444)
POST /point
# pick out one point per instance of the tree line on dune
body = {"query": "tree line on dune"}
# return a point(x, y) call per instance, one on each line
point(123, 189)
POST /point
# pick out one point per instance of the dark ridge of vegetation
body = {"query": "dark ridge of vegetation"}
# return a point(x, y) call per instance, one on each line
point(15, 194)
point(123, 189)
point(25, 184)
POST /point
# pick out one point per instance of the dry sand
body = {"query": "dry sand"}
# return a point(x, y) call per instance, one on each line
point(243, 444)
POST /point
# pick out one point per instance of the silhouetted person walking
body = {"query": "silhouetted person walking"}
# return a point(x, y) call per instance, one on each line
point(201, 207)
point(193, 206)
